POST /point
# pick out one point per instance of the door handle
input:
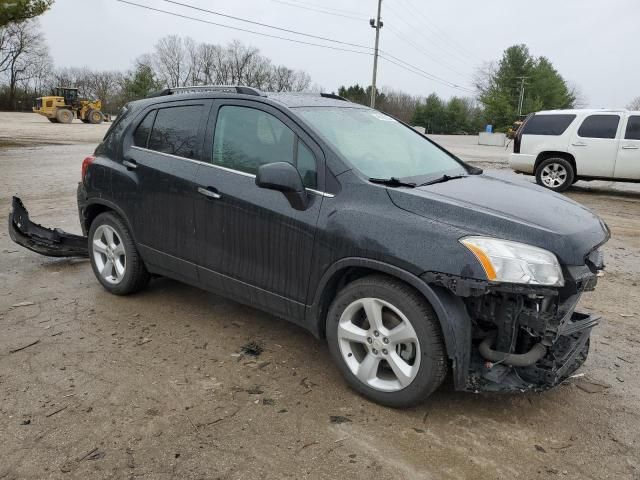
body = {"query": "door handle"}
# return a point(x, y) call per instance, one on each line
point(130, 164)
point(630, 147)
point(209, 192)
point(579, 144)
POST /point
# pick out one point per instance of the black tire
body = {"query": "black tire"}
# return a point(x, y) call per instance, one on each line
point(561, 168)
point(433, 365)
point(136, 276)
point(64, 115)
point(95, 116)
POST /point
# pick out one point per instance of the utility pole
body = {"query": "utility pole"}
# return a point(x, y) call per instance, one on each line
point(521, 101)
point(377, 24)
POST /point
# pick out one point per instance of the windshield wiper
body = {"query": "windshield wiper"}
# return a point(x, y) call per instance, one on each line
point(442, 179)
point(392, 182)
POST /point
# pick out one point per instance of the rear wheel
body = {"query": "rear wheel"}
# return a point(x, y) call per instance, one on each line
point(95, 116)
point(64, 116)
point(386, 340)
point(114, 257)
point(556, 174)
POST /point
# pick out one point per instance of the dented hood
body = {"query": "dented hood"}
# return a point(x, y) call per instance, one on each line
point(518, 211)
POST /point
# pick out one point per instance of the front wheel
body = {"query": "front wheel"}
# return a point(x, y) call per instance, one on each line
point(386, 340)
point(114, 257)
point(556, 174)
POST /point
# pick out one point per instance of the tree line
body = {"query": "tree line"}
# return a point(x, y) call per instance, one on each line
point(27, 70)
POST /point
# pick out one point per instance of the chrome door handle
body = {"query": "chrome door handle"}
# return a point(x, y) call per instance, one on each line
point(579, 144)
point(131, 165)
point(209, 193)
point(630, 147)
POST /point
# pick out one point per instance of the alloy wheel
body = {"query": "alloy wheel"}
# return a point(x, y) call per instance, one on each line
point(109, 254)
point(553, 175)
point(379, 344)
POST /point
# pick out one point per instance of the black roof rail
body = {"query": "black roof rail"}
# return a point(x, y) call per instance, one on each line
point(208, 88)
point(334, 96)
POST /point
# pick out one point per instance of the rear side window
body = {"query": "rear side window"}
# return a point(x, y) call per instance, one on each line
point(175, 131)
point(548, 124)
point(599, 126)
point(246, 138)
point(141, 135)
point(633, 128)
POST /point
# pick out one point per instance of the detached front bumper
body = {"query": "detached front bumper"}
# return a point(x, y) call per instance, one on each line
point(45, 241)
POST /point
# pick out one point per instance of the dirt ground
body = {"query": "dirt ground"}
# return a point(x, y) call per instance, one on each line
point(153, 386)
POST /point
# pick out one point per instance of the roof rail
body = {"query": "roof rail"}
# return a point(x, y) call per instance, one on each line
point(334, 96)
point(207, 88)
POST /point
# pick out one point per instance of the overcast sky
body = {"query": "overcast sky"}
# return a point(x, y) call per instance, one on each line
point(593, 43)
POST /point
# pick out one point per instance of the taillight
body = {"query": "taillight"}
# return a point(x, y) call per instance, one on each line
point(85, 164)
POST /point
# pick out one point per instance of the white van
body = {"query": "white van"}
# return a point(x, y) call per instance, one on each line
point(561, 147)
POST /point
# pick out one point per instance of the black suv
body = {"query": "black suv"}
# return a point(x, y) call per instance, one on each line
point(347, 222)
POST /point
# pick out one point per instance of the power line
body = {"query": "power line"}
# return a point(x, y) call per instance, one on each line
point(243, 29)
point(265, 25)
point(419, 32)
point(426, 54)
point(322, 9)
point(418, 71)
point(397, 61)
point(433, 27)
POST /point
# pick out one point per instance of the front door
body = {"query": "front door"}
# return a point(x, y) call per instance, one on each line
point(252, 244)
point(595, 145)
point(628, 162)
point(163, 155)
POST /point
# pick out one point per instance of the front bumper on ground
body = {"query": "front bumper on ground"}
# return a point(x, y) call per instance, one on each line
point(45, 241)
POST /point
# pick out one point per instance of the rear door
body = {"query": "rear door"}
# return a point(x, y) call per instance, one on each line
point(252, 244)
point(628, 162)
point(163, 155)
point(594, 145)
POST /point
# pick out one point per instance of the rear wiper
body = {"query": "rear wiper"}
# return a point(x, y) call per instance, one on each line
point(392, 182)
point(442, 179)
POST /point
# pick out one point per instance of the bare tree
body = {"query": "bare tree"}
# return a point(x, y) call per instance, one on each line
point(171, 61)
point(635, 104)
point(25, 46)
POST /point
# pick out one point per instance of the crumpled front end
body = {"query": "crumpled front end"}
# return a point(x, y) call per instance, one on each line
point(52, 242)
point(525, 337)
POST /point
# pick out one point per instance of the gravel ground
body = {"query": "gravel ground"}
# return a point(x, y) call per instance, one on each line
point(154, 386)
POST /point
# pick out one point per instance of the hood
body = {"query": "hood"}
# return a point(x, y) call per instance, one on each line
point(518, 211)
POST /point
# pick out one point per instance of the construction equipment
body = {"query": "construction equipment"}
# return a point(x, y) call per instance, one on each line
point(64, 105)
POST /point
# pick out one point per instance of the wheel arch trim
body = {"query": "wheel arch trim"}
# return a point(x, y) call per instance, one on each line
point(91, 202)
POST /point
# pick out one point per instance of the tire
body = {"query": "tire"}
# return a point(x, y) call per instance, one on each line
point(556, 174)
point(423, 359)
point(52, 120)
point(95, 116)
point(64, 115)
point(127, 273)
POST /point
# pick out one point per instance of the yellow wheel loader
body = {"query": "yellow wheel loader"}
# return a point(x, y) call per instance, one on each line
point(64, 105)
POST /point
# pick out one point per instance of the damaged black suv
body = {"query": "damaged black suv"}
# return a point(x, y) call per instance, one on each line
point(347, 222)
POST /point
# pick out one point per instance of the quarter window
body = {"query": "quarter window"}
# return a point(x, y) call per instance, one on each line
point(175, 131)
point(141, 135)
point(599, 126)
point(633, 128)
point(547, 124)
point(246, 138)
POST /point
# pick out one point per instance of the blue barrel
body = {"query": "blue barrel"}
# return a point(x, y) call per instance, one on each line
point(488, 129)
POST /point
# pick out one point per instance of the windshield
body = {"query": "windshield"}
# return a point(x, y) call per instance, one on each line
point(379, 146)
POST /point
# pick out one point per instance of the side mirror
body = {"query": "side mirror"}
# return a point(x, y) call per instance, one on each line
point(284, 177)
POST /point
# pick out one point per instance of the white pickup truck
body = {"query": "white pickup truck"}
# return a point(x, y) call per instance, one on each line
point(561, 147)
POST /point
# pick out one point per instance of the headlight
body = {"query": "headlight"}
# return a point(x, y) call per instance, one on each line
point(514, 262)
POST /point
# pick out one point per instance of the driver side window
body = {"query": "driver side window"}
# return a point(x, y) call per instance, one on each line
point(246, 138)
